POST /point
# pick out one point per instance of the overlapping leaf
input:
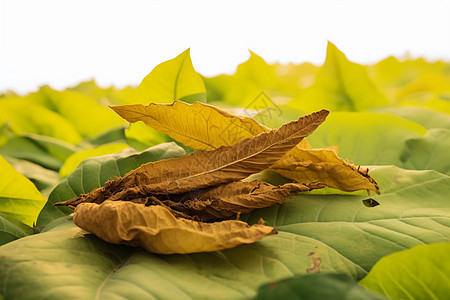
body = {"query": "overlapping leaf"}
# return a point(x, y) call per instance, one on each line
point(417, 273)
point(206, 127)
point(157, 230)
point(19, 198)
point(345, 235)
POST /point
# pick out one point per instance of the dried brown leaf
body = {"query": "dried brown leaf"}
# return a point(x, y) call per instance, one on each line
point(158, 231)
point(234, 198)
point(205, 169)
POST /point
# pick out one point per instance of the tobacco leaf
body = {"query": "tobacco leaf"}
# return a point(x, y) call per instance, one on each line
point(205, 169)
point(325, 166)
point(232, 198)
point(158, 231)
point(211, 128)
point(199, 126)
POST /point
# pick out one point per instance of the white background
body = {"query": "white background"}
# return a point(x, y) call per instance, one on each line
point(62, 42)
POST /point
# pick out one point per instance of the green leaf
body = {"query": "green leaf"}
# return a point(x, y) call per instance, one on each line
point(172, 80)
point(316, 286)
point(429, 152)
point(428, 118)
point(140, 136)
point(340, 85)
point(42, 150)
point(418, 273)
point(12, 229)
point(41, 177)
point(19, 198)
point(362, 235)
point(114, 135)
point(94, 172)
point(79, 109)
point(366, 138)
point(330, 234)
point(75, 159)
point(24, 116)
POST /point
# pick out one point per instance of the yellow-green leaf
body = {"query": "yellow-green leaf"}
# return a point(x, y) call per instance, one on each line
point(340, 85)
point(158, 231)
point(199, 126)
point(19, 198)
point(172, 80)
point(75, 159)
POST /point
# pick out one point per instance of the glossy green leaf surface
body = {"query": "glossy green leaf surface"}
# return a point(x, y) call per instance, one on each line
point(421, 272)
point(94, 172)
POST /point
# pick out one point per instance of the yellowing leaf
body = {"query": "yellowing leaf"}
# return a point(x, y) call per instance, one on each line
point(205, 127)
point(205, 169)
point(158, 231)
point(19, 197)
point(199, 126)
point(340, 85)
point(172, 80)
point(324, 165)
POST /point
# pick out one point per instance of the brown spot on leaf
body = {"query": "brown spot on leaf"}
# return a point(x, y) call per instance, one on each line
point(316, 261)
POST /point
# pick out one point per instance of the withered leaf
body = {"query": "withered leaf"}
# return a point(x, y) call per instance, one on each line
point(232, 198)
point(325, 166)
point(211, 128)
point(158, 231)
point(205, 169)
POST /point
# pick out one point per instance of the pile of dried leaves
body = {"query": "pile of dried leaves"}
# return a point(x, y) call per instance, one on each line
point(175, 205)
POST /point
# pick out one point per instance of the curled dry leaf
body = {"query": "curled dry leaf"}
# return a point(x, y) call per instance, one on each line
point(158, 231)
point(204, 169)
point(212, 128)
point(325, 166)
point(234, 198)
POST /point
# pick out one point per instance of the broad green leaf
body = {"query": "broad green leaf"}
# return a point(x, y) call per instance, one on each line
point(366, 138)
point(140, 136)
point(251, 78)
point(421, 272)
point(112, 94)
point(94, 172)
point(45, 151)
point(12, 229)
point(88, 116)
point(24, 116)
point(316, 286)
point(413, 210)
point(72, 162)
point(19, 198)
point(340, 85)
point(114, 135)
point(172, 80)
point(330, 234)
point(41, 177)
point(81, 266)
point(428, 118)
point(429, 152)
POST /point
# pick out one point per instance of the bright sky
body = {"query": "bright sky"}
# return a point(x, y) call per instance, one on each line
point(63, 42)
